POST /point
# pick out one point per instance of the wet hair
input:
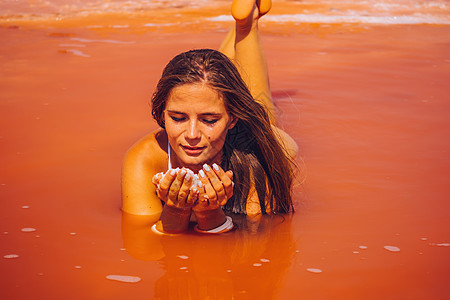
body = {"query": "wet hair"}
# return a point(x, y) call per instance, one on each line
point(251, 149)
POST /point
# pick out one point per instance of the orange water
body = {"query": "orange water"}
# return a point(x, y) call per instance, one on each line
point(368, 105)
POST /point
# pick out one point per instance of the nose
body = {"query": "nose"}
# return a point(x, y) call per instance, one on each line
point(193, 131)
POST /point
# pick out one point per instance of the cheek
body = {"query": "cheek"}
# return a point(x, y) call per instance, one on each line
point(217, 136)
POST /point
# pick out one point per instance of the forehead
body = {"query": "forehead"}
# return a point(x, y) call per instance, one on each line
point(195, 97)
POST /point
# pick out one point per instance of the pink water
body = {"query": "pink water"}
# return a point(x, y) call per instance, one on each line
point(367, 103)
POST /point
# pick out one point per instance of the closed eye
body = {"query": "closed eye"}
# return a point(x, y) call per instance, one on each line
point(176, 119)
point(210, 121)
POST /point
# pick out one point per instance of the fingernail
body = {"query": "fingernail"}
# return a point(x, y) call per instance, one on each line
point(201, 173)
point(172, 172)
point(183, 171)
point(205, 196)
point(188, 176)
point(216, 167)
point(232, 184)
point(206, 167)
point(200, 184)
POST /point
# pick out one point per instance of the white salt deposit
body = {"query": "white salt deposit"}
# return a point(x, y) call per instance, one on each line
point(349, 18)
point(314, 270)
point(82, 40)
point(29, 229)
point(441, 244)
point(264, 260)
point(11, 256)
point(362, 247)
point(183, 256)
point(124, 278)
point(78, 53)
point(25, 206)
point(392, 248)
point(257, 265)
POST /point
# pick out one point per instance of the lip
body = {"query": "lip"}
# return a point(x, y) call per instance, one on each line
point(193, 150)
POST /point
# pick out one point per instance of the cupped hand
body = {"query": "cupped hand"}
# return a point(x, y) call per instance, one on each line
point(175, 187)
point(215, 189)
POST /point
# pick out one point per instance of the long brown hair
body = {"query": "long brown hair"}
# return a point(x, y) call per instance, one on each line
point(251, 149)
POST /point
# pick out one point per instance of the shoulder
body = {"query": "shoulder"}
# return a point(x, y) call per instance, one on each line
point(143, 160)
point(151, 150)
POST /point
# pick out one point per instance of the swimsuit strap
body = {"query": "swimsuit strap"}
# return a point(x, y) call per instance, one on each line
point(168, 152)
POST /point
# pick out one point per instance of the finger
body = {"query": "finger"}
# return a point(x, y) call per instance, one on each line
point(202, 202)
point(165, 183)
point(216, 182)
point(176, 185)
point(209, 189)
point(157, 178)
point(193, 195)
point(226, 179)
point(183, 193)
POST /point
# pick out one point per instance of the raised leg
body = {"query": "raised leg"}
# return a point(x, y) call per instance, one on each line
point(243, 46)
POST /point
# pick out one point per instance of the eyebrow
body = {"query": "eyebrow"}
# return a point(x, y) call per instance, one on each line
point(202, 114)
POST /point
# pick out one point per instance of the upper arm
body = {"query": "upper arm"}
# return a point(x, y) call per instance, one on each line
point(138, 191)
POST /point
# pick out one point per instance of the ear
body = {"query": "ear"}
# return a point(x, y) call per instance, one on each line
point(233, 121)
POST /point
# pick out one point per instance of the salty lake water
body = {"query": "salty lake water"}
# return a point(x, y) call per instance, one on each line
point(361, 86)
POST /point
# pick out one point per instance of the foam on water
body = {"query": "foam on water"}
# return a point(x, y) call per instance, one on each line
point(326, 12)
point(82, 40)
point(360, 17)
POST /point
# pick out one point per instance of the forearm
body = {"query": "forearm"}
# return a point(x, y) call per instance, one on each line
point(209, 219)
point(174, 219)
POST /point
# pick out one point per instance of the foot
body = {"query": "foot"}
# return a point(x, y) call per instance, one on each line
point(241, 10)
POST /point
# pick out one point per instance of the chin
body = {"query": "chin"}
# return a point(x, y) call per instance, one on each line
point(194, 162)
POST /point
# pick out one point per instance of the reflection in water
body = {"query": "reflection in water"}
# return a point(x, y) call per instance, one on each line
point(250, 260)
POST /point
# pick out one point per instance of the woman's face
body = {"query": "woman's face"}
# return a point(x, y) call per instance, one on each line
point(196, 122)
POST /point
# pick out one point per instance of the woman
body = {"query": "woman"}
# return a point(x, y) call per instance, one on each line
point(218, 148)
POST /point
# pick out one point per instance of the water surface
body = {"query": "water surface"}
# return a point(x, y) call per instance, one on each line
point(366, 101)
